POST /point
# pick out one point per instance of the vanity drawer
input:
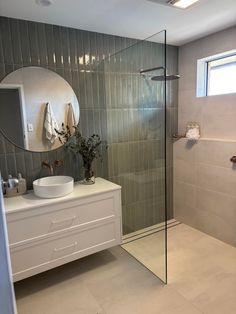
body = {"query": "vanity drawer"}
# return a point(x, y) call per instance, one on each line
point(38, 256)
point(54, 218)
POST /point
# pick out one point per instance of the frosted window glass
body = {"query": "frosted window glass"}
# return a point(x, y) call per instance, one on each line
point(221, 76)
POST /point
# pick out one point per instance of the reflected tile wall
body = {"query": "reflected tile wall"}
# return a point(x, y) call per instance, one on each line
point(125, 110)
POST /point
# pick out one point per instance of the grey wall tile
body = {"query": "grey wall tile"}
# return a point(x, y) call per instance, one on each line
point(20, 164)
point(2, 71)
point(16, 42)
point(1, 48)
point(42, 45)
point(6, 40)
point(11, 164)
point(65, 47)
point(8, 68)
point(57, 36)
point(114, 102)
point(51, 53)
point(75, 82)
point(80, 49)
point(3, 166)
point(25, 44)
point(33, 43)
point(73, 48)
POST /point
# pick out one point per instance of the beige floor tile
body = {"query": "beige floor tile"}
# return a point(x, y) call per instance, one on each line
point(201, 271)
point(67, 297)
point(218, 298)
point(150, 251)
point(120, 281)
point(186, 308)
point(225, 306)
point(152, 300)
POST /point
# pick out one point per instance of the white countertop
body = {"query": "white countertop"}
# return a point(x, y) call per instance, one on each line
point(29, 200)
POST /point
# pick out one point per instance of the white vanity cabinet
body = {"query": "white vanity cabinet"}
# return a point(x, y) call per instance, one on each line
point(46, 233)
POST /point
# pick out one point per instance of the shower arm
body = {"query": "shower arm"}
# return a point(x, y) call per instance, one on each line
point(151, 69)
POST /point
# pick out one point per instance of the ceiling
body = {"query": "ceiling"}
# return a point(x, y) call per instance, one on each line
point(130, 18)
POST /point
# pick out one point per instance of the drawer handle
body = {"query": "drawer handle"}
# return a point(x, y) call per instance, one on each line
point(63, 251)
point(65, 247)
point(61, 223)
point(63, 220)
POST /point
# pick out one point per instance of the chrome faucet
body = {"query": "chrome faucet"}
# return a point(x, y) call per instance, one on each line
point(52, 166)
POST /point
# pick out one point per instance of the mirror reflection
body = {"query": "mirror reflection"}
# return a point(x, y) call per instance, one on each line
point(33, 103)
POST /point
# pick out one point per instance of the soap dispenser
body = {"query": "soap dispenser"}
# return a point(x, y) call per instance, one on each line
point(12, 182)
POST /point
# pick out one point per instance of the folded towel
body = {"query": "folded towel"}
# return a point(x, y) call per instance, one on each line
point(50, 124)
point(193, 134)
point(71, 119)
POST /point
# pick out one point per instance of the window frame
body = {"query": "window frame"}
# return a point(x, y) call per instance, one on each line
point(203, 73)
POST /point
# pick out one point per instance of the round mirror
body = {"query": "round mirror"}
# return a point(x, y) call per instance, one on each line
point(34, 102)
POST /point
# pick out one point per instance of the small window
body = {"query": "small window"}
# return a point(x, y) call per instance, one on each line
point(221, 76)
point(216, 75)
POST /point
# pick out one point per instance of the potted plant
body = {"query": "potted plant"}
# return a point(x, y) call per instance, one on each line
point(88, 148)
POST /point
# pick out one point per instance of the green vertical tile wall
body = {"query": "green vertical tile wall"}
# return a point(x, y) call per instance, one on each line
point(108, 105)
point(136, 131)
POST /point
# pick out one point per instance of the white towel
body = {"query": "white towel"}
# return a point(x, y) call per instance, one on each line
point(50, 124)
point(193, 134)
point(71, 119)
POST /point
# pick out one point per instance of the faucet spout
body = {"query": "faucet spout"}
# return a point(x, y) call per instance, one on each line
point(46, 164)
point(51, 170)
point(52, 166)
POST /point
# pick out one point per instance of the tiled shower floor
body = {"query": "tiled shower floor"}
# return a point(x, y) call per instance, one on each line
point(202, 279)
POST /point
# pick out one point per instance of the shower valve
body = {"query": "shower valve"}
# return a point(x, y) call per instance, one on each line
point(233, 159)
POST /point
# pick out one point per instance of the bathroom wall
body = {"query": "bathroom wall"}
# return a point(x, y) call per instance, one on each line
point(76, 55)
point(215, 114)
point(204, 177)
point(205, 187)
point(73, 54)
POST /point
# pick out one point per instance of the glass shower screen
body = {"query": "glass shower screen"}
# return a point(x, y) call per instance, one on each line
point(136, 155)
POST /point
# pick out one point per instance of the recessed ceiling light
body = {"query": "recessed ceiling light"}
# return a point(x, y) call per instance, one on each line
point(44, 3)
point(182, 4)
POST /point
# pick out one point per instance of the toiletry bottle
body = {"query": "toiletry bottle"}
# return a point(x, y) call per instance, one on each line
point(12, 185)
point(12, 182)
point(21, 184)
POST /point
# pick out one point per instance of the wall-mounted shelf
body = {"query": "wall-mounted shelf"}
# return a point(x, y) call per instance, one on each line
point(176, 137)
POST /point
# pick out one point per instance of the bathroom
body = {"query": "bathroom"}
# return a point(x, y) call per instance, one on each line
point(172, 226)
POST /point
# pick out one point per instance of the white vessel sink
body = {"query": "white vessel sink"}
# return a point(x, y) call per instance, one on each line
point(54, 186)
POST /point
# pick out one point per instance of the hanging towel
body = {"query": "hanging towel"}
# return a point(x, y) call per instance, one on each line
point(50, 124)
point(71, 119)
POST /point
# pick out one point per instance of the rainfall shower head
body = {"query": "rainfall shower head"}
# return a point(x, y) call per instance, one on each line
point(159, 77)
point(168, 77)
